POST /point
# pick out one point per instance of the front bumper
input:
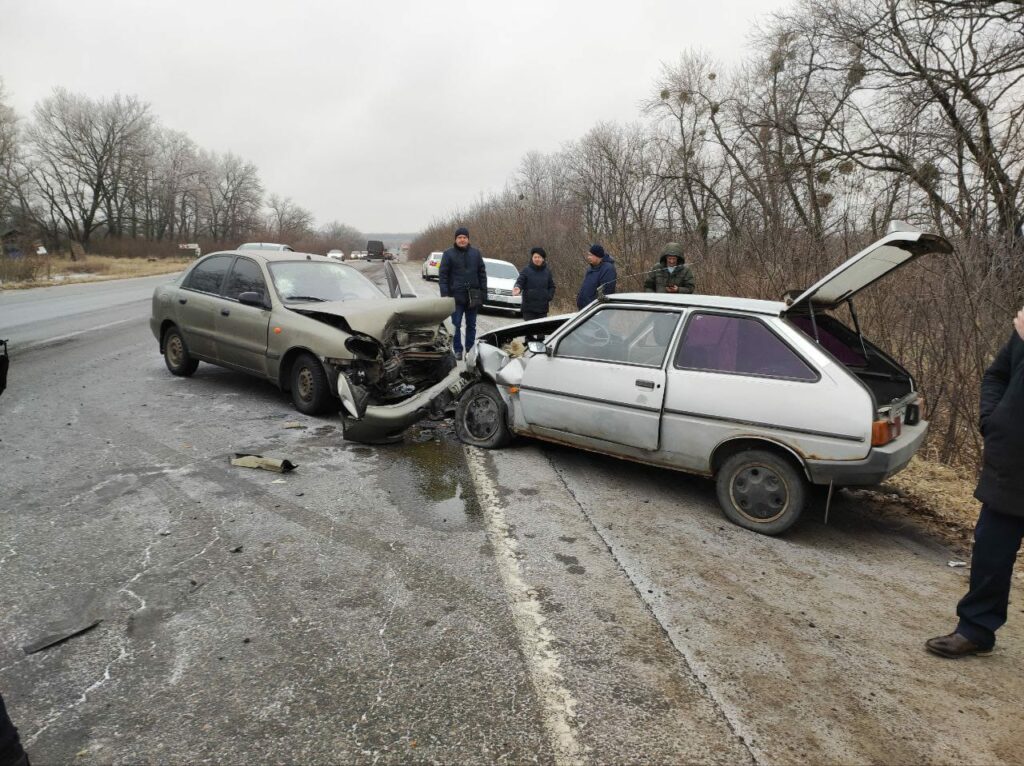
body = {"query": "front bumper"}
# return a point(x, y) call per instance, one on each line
point(387, 422)
point(879, 465)
point(504, 301)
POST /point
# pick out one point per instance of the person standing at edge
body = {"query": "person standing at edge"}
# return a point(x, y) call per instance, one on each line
point(672, 275)
point(600, 274)
point(462, 276)
point(536, 285)
point(11, 752)
point(1000, 526)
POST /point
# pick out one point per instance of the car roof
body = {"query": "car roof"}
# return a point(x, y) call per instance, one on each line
point(498, 260)
point(750, 305)
point(275, 255)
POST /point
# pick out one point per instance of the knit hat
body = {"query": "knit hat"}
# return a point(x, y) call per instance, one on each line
point(462, 231)
point(539, 251)
point(597, 250)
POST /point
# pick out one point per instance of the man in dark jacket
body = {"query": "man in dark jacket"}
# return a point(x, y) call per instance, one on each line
point(672, 275)
point(600, 274)
point(1000, 527)
point(536, 285)
point(462, 276)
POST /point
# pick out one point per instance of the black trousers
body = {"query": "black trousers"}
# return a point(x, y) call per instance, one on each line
point(11, 753)
point(528, 315)
point(997, 538)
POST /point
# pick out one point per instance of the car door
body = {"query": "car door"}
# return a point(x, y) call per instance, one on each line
point(198, 302)
point(605, 379)
point(242, 330)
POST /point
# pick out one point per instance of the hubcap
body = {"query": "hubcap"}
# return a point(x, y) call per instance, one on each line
point(305, 384)
point(481, 418)
point(175, 350)
point(759, 493)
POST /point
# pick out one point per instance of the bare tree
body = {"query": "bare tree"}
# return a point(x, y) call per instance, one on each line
point(287, 221)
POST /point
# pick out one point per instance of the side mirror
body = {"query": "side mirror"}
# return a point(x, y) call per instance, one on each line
point(537, 347)
point(253, 299)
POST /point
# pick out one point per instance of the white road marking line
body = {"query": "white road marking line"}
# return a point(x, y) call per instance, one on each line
point(537, 642)
point(58, 338)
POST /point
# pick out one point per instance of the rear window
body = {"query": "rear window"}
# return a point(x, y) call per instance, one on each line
point(738, 345)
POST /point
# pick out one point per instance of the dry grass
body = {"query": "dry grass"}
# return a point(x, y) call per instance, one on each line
point(50, 270)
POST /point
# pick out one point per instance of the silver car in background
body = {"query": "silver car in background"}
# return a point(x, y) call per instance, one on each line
point(765, 397)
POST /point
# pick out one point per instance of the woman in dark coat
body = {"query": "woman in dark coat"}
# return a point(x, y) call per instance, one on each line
point(536, 285)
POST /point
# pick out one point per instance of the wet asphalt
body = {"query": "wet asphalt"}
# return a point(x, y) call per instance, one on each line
point(425, 602)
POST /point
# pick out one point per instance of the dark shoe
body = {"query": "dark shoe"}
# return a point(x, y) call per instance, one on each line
point(954, 646)
point(458, 355)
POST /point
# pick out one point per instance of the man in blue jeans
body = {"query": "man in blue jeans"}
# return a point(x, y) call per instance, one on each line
point(1000, 527)
point(462, 276)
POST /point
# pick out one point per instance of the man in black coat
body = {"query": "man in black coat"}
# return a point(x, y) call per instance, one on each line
point(1000, 527)
point(11, 752)
point(462, 276)
point(536, 285)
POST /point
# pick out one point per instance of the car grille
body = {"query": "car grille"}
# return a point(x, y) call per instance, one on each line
point(497, 291)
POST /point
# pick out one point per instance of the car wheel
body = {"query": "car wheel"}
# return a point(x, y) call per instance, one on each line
point(179, 361)
point(761, 491)
point(480, 417)
point(310, 391)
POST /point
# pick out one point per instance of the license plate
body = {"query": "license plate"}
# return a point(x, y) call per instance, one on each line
point(457, 387)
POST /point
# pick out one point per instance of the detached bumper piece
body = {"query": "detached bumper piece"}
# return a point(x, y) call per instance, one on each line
point(385, 424)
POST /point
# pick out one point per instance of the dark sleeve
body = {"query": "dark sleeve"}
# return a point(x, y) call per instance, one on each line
point(521, 281)
point(482, 272)
point(610, 276)
point(994, 382)
point(444, 274)
point(551, 287)
point(688, 284)
point(650, 283)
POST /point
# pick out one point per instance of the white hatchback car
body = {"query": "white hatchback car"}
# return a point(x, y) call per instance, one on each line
point(767, 397)
point(431, 264)
point(501, 278)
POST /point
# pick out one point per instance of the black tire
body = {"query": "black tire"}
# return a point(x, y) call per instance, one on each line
point(310, 391)
point(480, 417)
point(176, 356)
point(761, 491)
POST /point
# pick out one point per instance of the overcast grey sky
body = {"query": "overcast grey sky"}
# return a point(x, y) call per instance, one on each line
point(381, 114)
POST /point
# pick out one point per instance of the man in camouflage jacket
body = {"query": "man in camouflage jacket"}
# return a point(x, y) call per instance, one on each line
point(672, 275)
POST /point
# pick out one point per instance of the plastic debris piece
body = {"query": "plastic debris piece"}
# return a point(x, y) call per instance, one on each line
point(956, 564)
point(294, 424)
point(59, 636)
point(278, 481)
point(248, 460)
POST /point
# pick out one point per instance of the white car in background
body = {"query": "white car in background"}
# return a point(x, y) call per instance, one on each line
point(337, 255)
point(501, 278)
point(431, 264)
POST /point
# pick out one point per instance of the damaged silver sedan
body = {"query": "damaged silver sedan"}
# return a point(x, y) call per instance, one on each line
point(766, 397)
point(316, 328)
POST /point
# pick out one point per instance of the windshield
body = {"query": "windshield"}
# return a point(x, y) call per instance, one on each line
point(501, 269)
point(320, 281)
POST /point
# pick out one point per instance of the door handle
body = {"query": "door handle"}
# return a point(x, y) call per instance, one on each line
point(182, 301)
point(645, 384)
point(225, 313)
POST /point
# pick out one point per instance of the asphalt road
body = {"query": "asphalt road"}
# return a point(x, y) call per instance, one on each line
point(429, 602)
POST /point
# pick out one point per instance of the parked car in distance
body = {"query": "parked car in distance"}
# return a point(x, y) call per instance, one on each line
point(316, 328)
point(265, 246)
point(431, 264)
point(337, 255)
point(374, 250)
point(501, 278)
point(765, 397)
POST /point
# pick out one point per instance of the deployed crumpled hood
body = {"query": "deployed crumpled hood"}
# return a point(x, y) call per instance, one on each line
point(378, 318)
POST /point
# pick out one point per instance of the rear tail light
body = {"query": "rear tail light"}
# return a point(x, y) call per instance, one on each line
point(884, 431)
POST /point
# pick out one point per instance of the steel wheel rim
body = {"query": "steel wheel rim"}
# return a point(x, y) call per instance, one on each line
point(481, 418)
point(305, 384)
point(175, 351)
point(759, 493)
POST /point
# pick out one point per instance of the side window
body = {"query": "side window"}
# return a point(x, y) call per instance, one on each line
point(719, 343)
point(245, 277)
point(627, 336)
point(207, 276)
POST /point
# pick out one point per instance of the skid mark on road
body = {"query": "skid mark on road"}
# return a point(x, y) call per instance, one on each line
point(537, 642)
